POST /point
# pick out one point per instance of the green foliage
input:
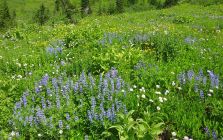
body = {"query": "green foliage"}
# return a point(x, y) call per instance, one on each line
point(169, 65)
point(42, 15)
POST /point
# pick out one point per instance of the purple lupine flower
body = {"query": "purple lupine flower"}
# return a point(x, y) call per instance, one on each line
point(43, 102)
point(76, 118)
point(190, 74)
point(118, 105)
point(112, 86)
point(48, 91)
point(80, 88)
point(182, 79)
point(83, 80)
point(37, 88)
point(76, 86)
point(51, 122)
point(125, 109)
point(207, 131)
point(44, 80)
point(24, 100)
point(93, 102)
point(48, 103)
point(60, 124)
point(107, 75)
point(31, 120)
point(18, 105)
point(40, 114)
point(113, 112)
point(67, 116)
point(118, 84)
point(109, 114)
point(205, 80)
point(201, 94)
point(105, 86)
point(100, 85)
point(90, 117)
point(201, 74)
point(214, 135)
point(54, 82)
point(58, 100)
point(68, 127)
point(196, 88)
point(216, 81)
point(92, 81)
point(59, 49)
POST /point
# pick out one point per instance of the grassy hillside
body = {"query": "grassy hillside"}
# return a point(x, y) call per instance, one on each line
point(146, 75)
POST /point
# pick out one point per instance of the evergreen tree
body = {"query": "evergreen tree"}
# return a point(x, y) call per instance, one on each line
point(119, 6)
point(153, 2)
point(57, 5)
point(132, 2)
point(68, 9)
point(169, 3)
point(85, 7)
point(42, 15)
point(5, 17)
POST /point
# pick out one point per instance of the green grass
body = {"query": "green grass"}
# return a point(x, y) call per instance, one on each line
point(147, 48)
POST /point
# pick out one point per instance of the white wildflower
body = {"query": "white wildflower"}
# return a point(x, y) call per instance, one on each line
point(209, 95)
point(134, 86)
point(19, 76)
point(179, 88)
point(39, 135)
point(164, 99)
point(157, 86)
point(144, 96)
point(166, 92)
point(158, 108)
point(174, 134)
point(172, 72)
point(25, 65)
point(173, 83)
point(186, 138)
point(61, 132)
point(123, 90)
point(12, 134)
point(161, 99)
point(151, 100)
point(157, 92)
point(131, 89)
point(211, 91)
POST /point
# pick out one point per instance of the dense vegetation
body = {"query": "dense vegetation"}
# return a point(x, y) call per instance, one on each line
point(154, 74)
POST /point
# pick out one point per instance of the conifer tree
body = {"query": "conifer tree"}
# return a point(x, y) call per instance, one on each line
point(85, 7)
point(119, 6)
point(169, 3)
point(5, 17)
point(42, 15)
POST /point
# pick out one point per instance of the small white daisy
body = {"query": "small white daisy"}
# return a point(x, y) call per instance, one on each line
point(157, 92)
point(157, 86)
point(61, 132)
point(143, 96)
point(186, 138)
point(39, 135)
point(211, 91)
point(12, 134)
point(174, 134)
point(131, 89)
point(151, 100)
point(158, 108)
